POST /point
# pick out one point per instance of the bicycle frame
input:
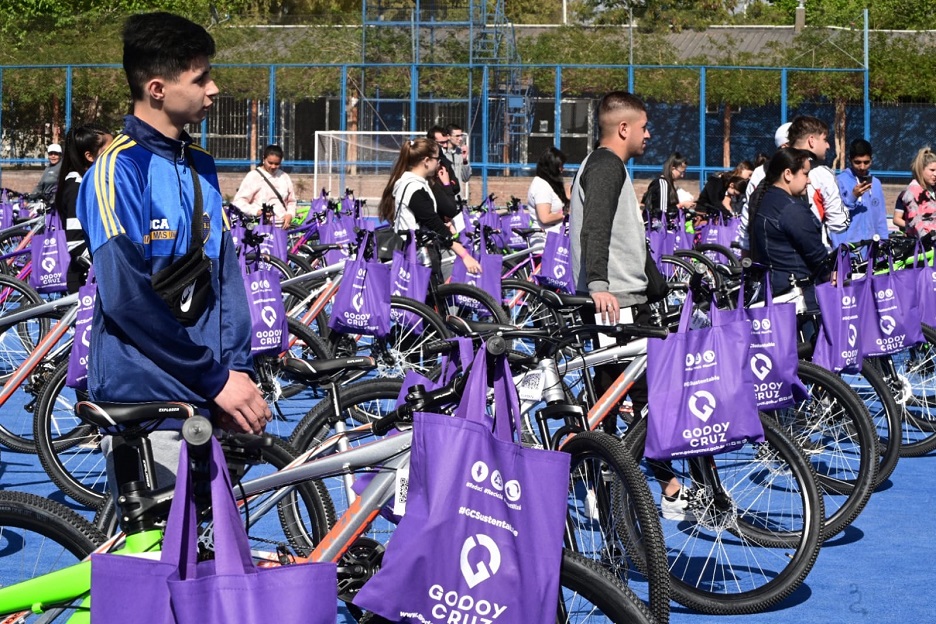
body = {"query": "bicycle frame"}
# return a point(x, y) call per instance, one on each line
point(389, 454)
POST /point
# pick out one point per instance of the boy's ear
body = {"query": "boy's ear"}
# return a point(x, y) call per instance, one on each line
point(155, 88)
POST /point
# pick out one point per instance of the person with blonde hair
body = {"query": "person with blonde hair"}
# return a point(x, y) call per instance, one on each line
point(919, 198)
point(408, 203)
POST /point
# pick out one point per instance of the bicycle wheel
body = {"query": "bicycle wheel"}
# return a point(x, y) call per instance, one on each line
point(834, 429)
point(525, 309)
point(414, 327)
point(751, 549)
point(17, 340)
point(612, 519)
point(290, 399)
point(38, 536)
point(588, 593)
point(911, 376)
point(886, 415)
point(296, 299)
point(469, 302)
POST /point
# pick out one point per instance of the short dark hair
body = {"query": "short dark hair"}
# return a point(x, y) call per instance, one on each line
point(161, 45)
point(859, 147)
point(449, 129)
point(803, 126)
point(273, 150)
point(431, 132)
point(616, 101)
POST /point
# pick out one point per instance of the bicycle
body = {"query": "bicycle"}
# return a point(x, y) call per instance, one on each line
point(144, 506)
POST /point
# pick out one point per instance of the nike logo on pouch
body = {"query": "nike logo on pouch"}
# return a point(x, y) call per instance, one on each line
point(186, 302)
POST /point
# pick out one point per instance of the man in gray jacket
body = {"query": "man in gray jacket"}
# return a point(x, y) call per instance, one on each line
point(609, 252)
point(606, 227)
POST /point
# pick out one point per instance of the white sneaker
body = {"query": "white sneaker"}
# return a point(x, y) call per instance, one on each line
point(677, 509)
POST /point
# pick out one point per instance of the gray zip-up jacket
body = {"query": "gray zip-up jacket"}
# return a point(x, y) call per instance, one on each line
point(608, 239)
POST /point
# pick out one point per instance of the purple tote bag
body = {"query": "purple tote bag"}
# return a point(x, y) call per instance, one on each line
point(50, 257)
point(896, 299)
point(773, 357)
point(269, 328)
point(489, 280)
point(926, 287)
point(845, 309)
point(179, 590)
point(77, 375)
point(362, 303)
point(556, 263)
point(337, 230)
point(701, 391)
point(482, 534)
point(410, 279)
point(515, 220)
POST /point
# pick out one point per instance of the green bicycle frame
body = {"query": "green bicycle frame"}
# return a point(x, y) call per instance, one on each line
point(68, 585)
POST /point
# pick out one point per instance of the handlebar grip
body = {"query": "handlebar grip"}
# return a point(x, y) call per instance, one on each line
point(384, 425)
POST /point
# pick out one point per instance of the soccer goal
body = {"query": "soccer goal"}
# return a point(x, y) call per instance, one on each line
point(360, 161)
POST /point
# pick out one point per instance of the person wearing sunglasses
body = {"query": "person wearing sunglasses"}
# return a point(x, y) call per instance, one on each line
point(457, 153)
point(862, 195)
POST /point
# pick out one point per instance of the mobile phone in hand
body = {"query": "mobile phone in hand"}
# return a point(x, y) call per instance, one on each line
point(864, 179)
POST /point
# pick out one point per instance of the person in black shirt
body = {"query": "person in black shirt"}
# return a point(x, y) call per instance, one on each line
point(712, 199)
point(661, 198)
point(408, 201)
point(82, 147)
point(785, 234)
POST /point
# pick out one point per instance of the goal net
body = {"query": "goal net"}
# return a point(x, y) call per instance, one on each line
point(360, 161)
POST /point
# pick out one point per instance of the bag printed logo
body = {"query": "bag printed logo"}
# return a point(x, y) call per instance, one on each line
point(697, 361)
point(761, 365)
point(511, 489)
point(358, 301)
point(48, 264)
point(702, 405)
point(852, 335)
point(268, 314)
point(760, 326)
point(186, 301)
point(486, 567)
point(888, 324)
point(885, 294)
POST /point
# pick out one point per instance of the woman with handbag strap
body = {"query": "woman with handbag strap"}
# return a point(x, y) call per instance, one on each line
point(408, 203)
point(268, 184)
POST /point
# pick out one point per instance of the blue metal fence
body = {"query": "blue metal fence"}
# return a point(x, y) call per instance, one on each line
point(692, 129)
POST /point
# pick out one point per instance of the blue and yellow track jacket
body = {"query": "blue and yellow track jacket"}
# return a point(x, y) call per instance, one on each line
point(135, 205)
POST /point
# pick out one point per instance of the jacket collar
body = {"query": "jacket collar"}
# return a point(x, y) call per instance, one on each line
point(153, 140)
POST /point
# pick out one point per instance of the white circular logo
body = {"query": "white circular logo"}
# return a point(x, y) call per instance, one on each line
point(497, 480)
point(512, 490)
point(479, 472)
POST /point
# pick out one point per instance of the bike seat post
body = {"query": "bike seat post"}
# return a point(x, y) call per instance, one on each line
point(135, 473)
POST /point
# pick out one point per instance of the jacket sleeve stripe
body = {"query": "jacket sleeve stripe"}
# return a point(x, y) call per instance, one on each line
point(105, 188)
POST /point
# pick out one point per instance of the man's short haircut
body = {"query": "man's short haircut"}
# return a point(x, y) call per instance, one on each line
point(431, 132)
point(273, 150)
point(161, 45)
point(615, 102)
point(859, 147)
point(803, 126)
point(449, 129)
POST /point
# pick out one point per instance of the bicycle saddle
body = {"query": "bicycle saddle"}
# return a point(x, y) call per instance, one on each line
point(317, 371)
point(110, 414)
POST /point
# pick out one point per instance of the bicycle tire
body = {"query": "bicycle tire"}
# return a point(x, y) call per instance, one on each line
point(725, 255)
point(290, 399)
point(470, 302)
point(769, 572)
point(612, 518)
point(275, 263)
point(39, 536)
point(911, 375)
point(841, 442)
point(414, 326)
point(18, 340)
point(872, 388)
point(364, 401)
point(694, 258)
point(524, 308)
point(588, 593)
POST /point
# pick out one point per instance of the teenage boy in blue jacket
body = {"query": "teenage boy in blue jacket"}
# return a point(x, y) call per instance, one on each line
point(136, 209)
point(862, 195)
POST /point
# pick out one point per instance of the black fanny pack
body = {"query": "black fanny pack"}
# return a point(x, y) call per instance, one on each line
point(185, 285)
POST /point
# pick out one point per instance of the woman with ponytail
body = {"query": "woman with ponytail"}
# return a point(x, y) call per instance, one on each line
point(408, 203)
point(785, 235)
point(82, 147)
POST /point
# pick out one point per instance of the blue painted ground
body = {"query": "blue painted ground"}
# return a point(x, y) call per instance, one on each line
point(880, 570)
